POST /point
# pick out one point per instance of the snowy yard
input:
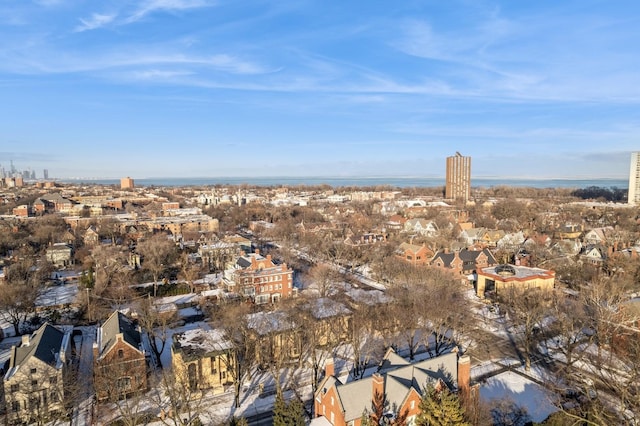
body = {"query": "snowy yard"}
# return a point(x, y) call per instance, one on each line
point(522, 391)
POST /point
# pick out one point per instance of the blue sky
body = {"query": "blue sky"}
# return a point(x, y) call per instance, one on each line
point(186, 88)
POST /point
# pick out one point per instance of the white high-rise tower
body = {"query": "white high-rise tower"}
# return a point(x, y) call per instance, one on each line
point(634, 179)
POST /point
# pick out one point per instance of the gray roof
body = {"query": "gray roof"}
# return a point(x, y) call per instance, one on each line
point(399, 379)
point(44, 344)
point(116, 324)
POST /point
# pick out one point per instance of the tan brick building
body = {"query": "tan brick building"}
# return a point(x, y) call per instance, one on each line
point(202, 360)
point(501, 277)
point(34, 383)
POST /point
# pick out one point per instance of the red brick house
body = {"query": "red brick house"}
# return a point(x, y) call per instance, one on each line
point(120, 367)
point(401, 382)
point(414, 254)
point(261, 280)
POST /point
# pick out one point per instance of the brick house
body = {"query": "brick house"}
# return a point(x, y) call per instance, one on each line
point(401, 382)
point(465, 261)
point(35, 376)
point(201, 360)
point(120, 367)
point(414, 254)
point(22, 211)
point(261, 280)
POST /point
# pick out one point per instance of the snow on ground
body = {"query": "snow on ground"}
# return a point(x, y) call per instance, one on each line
point(524, 392)
point(58, 295)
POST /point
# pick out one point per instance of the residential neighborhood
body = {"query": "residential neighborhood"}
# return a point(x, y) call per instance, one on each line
point(123, 305)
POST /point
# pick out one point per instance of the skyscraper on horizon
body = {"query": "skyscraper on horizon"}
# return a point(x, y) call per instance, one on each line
point(458, 179)
point(634, 179)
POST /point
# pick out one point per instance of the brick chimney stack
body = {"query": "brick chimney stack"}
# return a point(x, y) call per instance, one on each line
point(329, 368)
point(464, 374)
point(377, 385)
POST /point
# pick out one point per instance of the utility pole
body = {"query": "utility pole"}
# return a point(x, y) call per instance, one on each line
point(88, 304)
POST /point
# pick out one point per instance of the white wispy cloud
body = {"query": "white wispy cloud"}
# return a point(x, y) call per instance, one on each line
point(96, 21)
point(151, 6)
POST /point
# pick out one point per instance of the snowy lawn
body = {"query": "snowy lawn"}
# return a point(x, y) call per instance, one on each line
point(525, 393)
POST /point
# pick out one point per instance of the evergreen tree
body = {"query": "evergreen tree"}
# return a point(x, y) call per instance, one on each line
point(440, 408)
point(291, 414)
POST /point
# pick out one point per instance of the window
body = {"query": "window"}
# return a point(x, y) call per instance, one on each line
point(54, 396)
point(34, 382)
point(123, 384)
point(53, 380)
point(15, 406)
point(15, 387)
point(214, 370)
point(120, 353)
point(332, 401)
point(413, 405)
point(409, 257)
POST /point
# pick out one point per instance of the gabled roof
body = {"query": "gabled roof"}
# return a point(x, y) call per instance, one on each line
point(118, 323)
point(398, 382)
point(44, 344)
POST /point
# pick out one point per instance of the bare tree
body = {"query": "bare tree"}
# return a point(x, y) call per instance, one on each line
point(18, 297)
point(237, 332)
point(156, 252)
point(526, 308)
point(156, 324)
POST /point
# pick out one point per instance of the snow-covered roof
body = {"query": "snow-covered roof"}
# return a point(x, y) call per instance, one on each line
point(198, 342)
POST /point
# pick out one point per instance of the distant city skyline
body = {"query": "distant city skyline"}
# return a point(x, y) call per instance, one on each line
point(200, 88)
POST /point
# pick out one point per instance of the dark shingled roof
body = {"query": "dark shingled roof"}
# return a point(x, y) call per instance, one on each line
point(44, 344)
point(119, 323)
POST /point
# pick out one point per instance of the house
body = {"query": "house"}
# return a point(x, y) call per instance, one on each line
point(511, 241)
point(22, 211)
point(201, 360)
point(216, 255)
point(501, 277)
point(424, 227)
point(34, 382)
point(260, 279)
point(401, 382)
point(598, 235)
point(465, 261)
point(594, 254)
point(60, 255)
point(331, 320)
point(120, 366)
point(416, 255)
point(91, 236)
point(276, 336)
point(366, 238)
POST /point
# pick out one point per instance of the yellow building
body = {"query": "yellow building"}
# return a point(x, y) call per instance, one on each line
point(501, 277)
point(202, 360)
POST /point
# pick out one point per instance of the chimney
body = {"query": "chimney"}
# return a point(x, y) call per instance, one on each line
point(464, 375)
point(446, 250)
point(25, 340)
point(329, 368)
point(377, 382)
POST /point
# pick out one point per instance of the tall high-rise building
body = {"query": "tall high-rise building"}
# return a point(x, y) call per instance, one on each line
point(458, 180)
point(45, 173)
point(634, 179)
point(126, 183)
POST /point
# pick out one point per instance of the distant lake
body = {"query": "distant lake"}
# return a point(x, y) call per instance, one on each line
point(396, 182)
